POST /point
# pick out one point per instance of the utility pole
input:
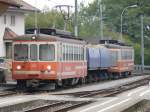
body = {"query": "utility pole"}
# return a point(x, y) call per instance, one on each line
point(65, 15)
point(142, 42)
point(101, 18)
point(76, 19)
point(36, 20)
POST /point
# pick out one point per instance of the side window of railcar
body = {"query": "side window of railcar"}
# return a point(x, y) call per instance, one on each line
point(75, 53)
point(126, 54)
point(67, 52)
point(59, 52)
point(47, 52)
point(64, 50)
point(129, 54)
point(132, 54)
point(114, 57)
point(82, 53)
point(33, 52)
point(122, 54)
point(78, 53)
point(71, 53)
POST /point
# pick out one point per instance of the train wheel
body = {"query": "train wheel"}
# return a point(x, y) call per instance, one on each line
point(59, 83)
point(102, 76)
point(106, 75)
point(83, 80)
point(74, 81)
point(21, 84)
point(110, 76)
point(116, 75)
point(125, 74)
point(2, 77)
point(95, 78)
point(89, 78)
point(129, 73)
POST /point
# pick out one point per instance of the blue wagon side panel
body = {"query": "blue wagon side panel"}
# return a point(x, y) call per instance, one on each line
point(105, 57)
point(93, 56)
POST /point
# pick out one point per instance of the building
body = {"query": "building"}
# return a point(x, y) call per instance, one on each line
point(12, 23)
point(4, 4)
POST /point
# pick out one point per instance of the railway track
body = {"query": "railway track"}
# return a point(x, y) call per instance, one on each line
point(61, 106)
point(64, 106)
point(110, 91)
point(7, 93)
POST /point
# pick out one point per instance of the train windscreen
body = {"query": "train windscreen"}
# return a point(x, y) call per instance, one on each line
point(47, 52)
point(21, 52)
point(33, 52)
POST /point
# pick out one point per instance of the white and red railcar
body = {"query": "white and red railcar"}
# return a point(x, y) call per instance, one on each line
point(48, 59)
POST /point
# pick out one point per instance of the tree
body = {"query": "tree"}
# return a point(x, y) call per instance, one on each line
point(47, 19)
point(89, 18)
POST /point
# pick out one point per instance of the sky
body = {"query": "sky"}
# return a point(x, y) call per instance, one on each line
point(52, 3)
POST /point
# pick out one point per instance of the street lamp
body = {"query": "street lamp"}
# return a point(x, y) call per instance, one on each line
point(132, 6)
point(147, 38)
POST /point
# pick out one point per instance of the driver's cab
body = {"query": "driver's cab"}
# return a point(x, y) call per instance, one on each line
point(33, 51)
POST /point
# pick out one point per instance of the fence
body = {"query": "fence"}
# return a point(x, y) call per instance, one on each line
point(138, 69)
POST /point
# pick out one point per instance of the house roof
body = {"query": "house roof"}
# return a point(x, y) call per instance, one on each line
point(24, 7)
point(9, 34)
point(10, 2)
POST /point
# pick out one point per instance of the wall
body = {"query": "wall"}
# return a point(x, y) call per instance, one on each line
point(3, 8)
point(18, 28)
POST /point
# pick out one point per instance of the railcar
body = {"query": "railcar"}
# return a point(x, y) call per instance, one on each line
point(57, 59)
point(99, 61)
point(48, 60)
point(122, 58)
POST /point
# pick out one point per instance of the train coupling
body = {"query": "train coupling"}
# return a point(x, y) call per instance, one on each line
point(32, 83)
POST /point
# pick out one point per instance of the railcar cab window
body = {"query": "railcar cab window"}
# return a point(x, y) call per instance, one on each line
point(47, 52)
point(21, 52)
point(33, 52)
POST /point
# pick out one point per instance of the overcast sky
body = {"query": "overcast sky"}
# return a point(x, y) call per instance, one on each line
point(52, 3)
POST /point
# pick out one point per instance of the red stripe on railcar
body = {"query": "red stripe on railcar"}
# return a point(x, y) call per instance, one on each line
point(59, 70)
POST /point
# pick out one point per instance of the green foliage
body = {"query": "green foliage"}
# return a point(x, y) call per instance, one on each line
point(89, 22)
point(47, 19)
point(89, 18)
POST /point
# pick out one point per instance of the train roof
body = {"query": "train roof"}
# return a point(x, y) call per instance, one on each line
point(49, 38)
point(50, 31)
point(113, 46)
point(114, 42)
point(95, 46)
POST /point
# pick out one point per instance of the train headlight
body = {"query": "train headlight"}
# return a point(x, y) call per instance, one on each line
point(18, 67)
point(49, 67)
point(33, 38)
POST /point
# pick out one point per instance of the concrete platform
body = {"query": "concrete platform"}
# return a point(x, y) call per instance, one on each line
point(119, 103)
